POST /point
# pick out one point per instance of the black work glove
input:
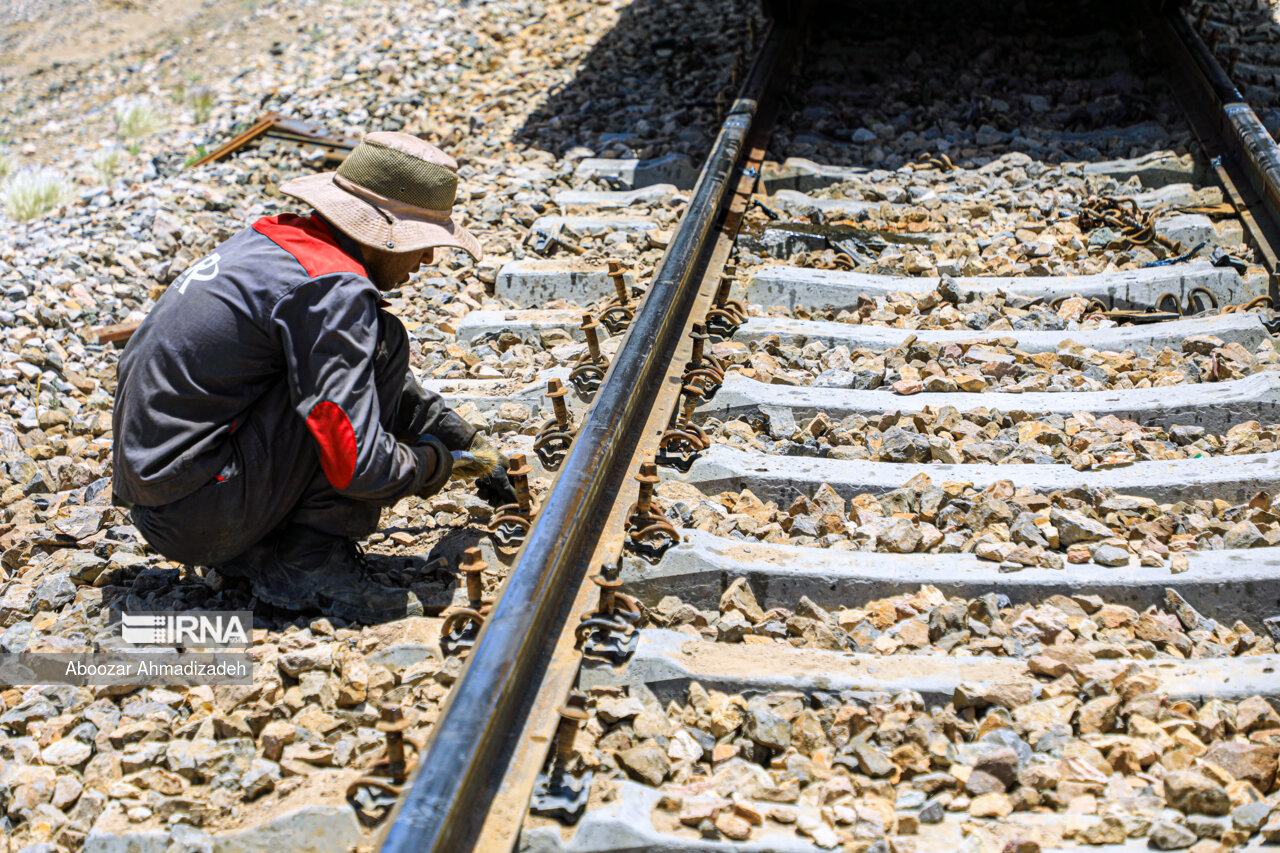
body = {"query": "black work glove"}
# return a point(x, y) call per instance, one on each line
point(487, 465)
point(495, 489)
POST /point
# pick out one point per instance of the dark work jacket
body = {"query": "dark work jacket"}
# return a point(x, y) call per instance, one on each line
point(281, 303)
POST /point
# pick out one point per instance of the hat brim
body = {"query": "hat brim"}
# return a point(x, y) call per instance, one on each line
point(362, 222)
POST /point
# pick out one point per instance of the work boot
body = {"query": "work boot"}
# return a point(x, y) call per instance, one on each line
point(308, 570)
point(251, 563)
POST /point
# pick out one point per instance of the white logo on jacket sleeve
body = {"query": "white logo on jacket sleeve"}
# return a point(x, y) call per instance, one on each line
point(202, 270)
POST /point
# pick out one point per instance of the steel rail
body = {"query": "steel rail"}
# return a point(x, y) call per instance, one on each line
point(471, 743)
point(1246, 136)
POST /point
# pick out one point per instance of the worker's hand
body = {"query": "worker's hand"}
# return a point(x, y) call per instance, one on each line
point(480, 459)
point(437, 460)
point(487, 465)
point(495, 489)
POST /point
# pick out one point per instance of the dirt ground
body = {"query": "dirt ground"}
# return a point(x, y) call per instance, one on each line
point(36, 34)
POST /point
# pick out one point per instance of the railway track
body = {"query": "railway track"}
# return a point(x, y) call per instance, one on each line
point(929, 500)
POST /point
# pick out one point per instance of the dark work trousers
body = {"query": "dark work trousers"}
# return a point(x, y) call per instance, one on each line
point(274, 476)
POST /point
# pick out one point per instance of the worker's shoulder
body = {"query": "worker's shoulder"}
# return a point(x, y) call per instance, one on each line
point(311, 243)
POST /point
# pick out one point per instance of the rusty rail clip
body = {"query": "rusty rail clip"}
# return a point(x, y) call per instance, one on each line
point(681, 444)
point(617, 315)
point(543, 241)
point(610, 632)
point(293, 130)
point(1256, 302)
point(371, 797)
point(511, 522)
point(560, 794)
point(553, 440)
point(588, 373)
point(462, 624)
point(939, 161)
point(1141, 318)
point(651, 534)
point(1210, 302)
point(1270, 318)
point(1134, 225)
point(725, 315)
point(704, 370)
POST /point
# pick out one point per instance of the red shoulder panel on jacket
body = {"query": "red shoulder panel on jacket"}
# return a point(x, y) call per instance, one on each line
point(337, 440)
point(311, 242)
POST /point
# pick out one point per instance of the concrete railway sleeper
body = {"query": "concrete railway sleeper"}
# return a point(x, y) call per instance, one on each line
point(931, 495)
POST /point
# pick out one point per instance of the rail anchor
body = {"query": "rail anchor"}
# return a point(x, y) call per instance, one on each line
point(560, 794)
point(610, 632)
point(553, 440)
point(371, 796)
point(650, 533)
point(462, 624)
point(703, 370)
point(617, 315)
point(511, 522)
point(681, 444)
point(588, 373)
point(725, 315)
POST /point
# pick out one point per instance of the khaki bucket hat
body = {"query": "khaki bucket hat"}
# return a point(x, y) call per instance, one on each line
point(394, 192)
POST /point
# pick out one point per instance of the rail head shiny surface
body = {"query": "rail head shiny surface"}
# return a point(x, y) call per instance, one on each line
point(471, 742)
point(1248, 139)
point(1222, 86)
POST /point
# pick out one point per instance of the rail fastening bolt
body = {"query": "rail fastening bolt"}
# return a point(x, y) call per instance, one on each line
point(566, 731)
point(556, 391)
point(699, 335)
point(393, 723)
point(589, 326)
point(608, 583)
point(472, 567)
point(619, 277)
point(647, 478)
point(518, 472)
point(722, 290)
point(692, 395)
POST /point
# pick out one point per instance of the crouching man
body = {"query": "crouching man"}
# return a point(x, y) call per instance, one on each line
point(265, 412)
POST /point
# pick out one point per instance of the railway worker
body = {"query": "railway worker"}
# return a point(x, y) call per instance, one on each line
point(265, 412)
